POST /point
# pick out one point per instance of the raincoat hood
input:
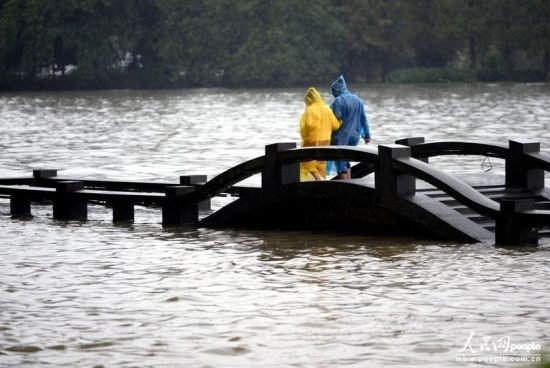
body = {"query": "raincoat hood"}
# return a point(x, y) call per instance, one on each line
point(312, 96)
point(339, 86)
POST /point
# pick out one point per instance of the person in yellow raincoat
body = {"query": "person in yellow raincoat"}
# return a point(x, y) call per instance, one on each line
point(316, 126)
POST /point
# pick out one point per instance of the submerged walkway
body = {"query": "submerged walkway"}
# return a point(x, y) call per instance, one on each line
point(515, 212)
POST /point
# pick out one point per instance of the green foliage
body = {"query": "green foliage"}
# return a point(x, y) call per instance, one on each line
point(282, 44)
point(429, 75)
point(173, 43)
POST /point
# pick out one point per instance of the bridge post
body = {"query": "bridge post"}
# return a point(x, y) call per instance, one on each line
point(518, 173)
point(277, 173)
point(67, 206)
point(389, 179)
point(123, 210)
point(40, 174)
point(172, 213)
point(510, 229)
point(197, 180)
point(20, 205)
point(413, 141)
point(38, 179)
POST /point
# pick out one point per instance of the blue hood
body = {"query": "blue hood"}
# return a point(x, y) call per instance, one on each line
point(339, 86)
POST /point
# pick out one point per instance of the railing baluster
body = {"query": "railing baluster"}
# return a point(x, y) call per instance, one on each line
point(389, 179)
point(40, 174)
point(277, 173)
point(195, 180)
point(413, 141)
point(518, 173)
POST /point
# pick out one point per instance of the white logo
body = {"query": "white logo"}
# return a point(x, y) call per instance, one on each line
point(498, 349)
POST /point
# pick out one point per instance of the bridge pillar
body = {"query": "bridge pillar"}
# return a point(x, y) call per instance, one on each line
point(20, 205)
point(518, 173)
point(123, 210)
point(389, 179)
point(66, 205)
point(510, 228)
point(197, 180)
point(277, 173)
point(173, 213)
point(413, 141)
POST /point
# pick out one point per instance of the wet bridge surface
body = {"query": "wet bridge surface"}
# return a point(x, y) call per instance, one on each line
point(393, 189)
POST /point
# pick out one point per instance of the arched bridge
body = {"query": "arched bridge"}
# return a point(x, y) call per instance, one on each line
point(515, 212)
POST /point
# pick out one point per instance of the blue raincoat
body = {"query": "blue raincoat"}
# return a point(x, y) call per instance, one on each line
point(350, 110)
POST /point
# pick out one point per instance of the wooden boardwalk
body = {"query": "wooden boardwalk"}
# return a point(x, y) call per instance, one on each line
point(516, 212)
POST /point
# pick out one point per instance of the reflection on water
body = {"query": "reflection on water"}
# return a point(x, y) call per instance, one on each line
point(91, 294)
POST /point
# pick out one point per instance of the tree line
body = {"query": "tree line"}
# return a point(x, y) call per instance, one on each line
point(73, 44)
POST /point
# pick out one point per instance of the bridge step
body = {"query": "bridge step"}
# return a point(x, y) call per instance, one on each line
point(542, 205)
point(480, 188)
point(450, 201)
point(464, 210)
point(481, 220)
point(486, 222)
point(519, 195)
point(492, 191)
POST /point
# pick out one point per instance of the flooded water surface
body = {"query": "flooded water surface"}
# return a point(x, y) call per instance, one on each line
point(85, 294)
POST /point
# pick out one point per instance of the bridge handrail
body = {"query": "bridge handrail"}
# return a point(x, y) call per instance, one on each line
point(536, 160)
point(246, 169)
point(441, 148)
point(451, 185)
point(251, 167)
point(325, 153)
point(221, 182)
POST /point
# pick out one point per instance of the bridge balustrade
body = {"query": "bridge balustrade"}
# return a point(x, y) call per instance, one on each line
point(396, 168)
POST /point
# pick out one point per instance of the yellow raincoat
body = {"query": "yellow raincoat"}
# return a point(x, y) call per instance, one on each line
point(316, 126)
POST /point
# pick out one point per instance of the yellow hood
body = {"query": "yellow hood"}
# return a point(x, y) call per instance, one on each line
point(312, 96)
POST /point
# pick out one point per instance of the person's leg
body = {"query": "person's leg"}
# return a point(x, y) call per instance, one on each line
point(317, 176)
point(307, 169)
point(344, 171)
point(344, 175)
point(341, 169)
point(321, 173)
point(348, 171)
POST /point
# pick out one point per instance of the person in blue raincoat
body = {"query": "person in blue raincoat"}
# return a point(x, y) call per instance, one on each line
point(350, 111)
